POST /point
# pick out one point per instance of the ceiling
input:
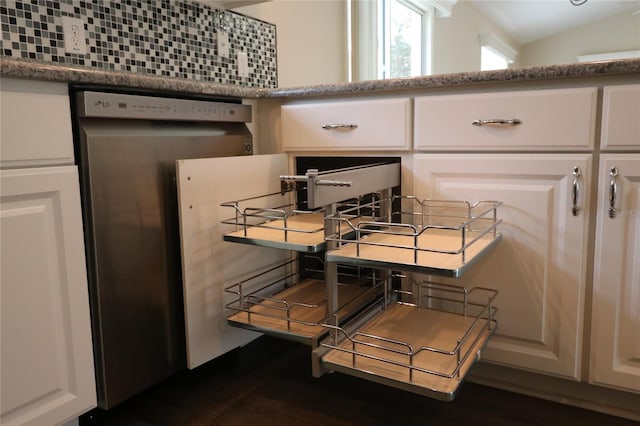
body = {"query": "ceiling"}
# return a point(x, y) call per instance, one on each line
point(529, 20)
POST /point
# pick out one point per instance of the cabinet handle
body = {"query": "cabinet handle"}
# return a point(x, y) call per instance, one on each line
point(575, 192)
point(340, 126)
point(497, 122)
point(613, 192)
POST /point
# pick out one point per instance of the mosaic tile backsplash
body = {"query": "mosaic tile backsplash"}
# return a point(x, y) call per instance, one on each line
point(163, 37)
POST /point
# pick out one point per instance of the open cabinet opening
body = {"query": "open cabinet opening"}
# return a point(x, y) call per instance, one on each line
point(346, 282)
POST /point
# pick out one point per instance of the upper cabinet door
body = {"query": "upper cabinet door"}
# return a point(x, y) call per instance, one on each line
point(621, 118)
point(615, 325)
point(46, 349)
point(539, 267)
point(373, 125)
point(209, 263)
point(549, 120)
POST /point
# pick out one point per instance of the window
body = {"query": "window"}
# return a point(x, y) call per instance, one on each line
point(404, 51)
point(391, 38)
point(495, 53)
point(490, 60)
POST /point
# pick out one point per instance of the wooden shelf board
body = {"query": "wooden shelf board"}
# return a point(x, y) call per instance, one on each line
point(419, 327)
point(310, 292)
point(388, 256)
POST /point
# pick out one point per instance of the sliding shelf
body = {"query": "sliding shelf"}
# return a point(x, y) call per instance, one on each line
point(270, 303)
point(442, 238)
point(425, 347)
point(281, 227)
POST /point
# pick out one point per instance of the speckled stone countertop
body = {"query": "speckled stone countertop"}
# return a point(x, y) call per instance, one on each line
point(17, 68)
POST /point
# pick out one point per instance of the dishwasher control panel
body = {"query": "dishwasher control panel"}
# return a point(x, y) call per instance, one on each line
point(119, 105)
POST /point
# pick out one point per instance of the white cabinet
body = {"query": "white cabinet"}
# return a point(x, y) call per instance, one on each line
point(47, 372)
point(373, 125)
point(47, 358)
point(620, 118)
point(550, 120)
point(539, 267)
point(615, 323)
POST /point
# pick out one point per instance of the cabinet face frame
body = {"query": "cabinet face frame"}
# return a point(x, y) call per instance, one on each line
point(615, 340)
point(545, 246)
point(47, 354)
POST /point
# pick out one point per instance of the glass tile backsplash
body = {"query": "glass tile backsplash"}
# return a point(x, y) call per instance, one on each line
point(156, 37)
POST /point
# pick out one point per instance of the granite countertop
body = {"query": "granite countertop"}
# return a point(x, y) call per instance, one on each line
point(18, 68)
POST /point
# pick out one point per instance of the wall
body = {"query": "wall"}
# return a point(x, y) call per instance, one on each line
point(156, 37)
point(311, 39)
point(620, 32)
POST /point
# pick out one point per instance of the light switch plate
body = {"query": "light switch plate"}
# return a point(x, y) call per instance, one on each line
point(223, 44)
point(243, 64)
point(75, 40)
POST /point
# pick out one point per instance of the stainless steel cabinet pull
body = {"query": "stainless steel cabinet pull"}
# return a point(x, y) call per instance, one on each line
point(339, 126)
point(577, 173)
point(613, 192)
point(496, 122)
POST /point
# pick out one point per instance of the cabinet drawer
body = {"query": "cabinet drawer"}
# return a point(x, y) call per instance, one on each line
point(347, 125)
point(36, 124)
point(620, 113)
point(550, 120)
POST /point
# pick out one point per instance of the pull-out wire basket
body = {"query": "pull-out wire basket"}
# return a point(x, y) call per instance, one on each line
point(426, 345)
point(274, 302)
point(272, 220)
point(432, 236)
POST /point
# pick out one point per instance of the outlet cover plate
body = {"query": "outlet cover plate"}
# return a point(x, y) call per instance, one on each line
point(243, 64)
point(223, 44)
point(74, 37)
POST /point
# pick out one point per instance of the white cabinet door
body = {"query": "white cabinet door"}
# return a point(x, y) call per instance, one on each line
point(615, 324)
point(539, 266)
point(372, 124)
point(209, 263)
point(47, 354)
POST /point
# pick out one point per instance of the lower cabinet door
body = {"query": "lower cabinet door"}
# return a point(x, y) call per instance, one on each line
point(208, 262)
point(539, 267)
point(47, 355)
point(615, 323)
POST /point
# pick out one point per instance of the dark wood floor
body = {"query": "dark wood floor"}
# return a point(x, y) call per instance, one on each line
point(269, 382)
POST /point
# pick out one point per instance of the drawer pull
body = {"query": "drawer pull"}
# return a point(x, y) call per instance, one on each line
point(613, 192)
point(497, 122)
point(577, 173)
point(340, 126)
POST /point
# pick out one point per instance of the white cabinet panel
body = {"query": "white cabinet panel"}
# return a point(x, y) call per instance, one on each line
point(209, 263)
point(539, 267)
point(382, 124)
point(550, 120)
point(621, 118)
point(615, 343)
point(47, 353)
point(35, 125)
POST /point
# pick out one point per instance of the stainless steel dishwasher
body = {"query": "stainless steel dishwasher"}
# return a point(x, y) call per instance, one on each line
point(126, 149)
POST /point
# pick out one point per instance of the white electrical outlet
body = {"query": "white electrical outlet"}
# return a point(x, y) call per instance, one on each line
point(223, 44)
point(243, 64)
point(74, 37)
